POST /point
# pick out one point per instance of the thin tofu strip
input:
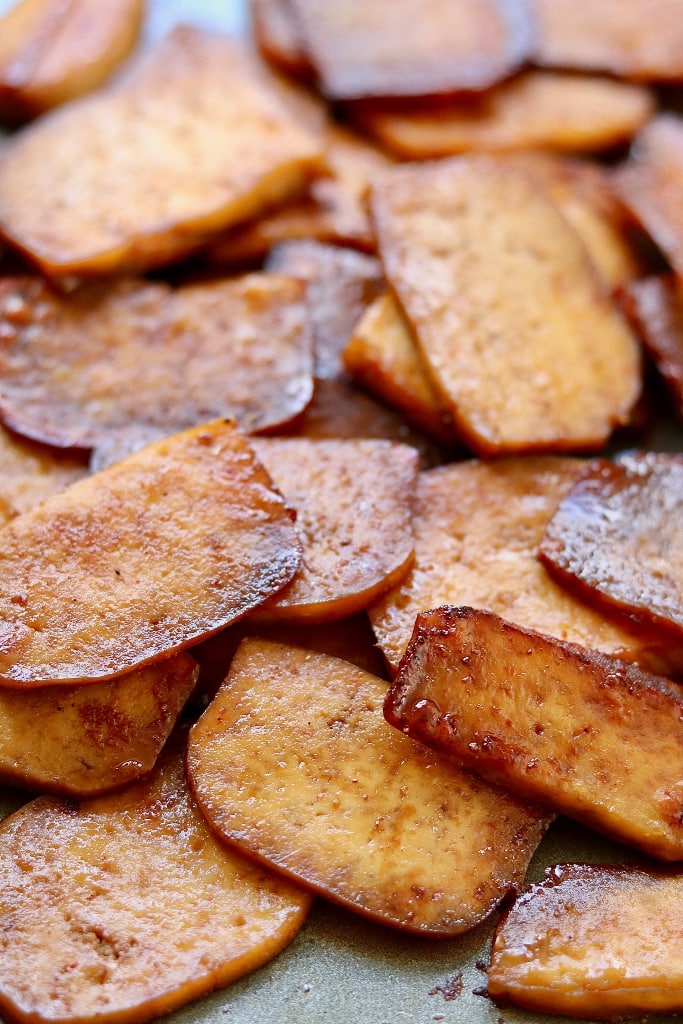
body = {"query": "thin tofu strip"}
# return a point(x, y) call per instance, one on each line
point(587, 735)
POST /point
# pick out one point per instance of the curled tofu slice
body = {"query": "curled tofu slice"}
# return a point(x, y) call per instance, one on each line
point(650, 184)
point(141, 560)
point(617, 537)
point(655, 305)
point(642, 40)
point(146, 355)
point(547, 110)
point(125, 907)
point(192, 141)
point(382, 356)
point(51, 51)
point(513, 322)
point(404, 48)
point(354, 517)
point(587, 735)
point(30, 473)
point(86, 740)
point(477, 528)
point(294, 762)
point(593, 941)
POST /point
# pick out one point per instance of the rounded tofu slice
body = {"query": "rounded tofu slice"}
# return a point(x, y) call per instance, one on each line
point(141, 560)
point(294, 762)
point(126, 907)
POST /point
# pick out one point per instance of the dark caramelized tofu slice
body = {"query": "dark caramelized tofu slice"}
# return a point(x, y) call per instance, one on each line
point(617, 537)
point(394, 48)
point(585, 734)
point(294, 763)
point(593, 941)
point(655, 306)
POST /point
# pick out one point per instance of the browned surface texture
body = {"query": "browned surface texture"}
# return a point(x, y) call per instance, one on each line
point(617, 536)
point(477, 528)
point(192, 141)
point(84, 740)
point(650, 183)
point(655, 306)
point(513, 322)
point(382, 356)
point(141, 354)
point(141, 559)
point(404, 48)
point(125, 907)
point(30, 473)
point(585, 734)
point(294, 762)
point(592, 940)
point(641, 39)
point(52, 51)
point(560, 112)
point(353, 501)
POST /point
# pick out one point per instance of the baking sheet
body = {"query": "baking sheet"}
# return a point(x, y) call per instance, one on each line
point(342, 969)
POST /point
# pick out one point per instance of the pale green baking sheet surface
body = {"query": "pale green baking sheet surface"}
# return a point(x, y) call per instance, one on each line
point(342, 969)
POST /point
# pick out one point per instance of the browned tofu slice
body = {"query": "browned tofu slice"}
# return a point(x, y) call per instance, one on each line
point(587, 735)
point(126, 907)
point(191, 141)
point(142, 559)
point(547, 110)
point(516, 329)
point(30, 473)
point(477, 528)
point(294, 763)
point(655, 305)
point(641, 39)
point(354, 516)
point(650, 183)
point(277, 37)
point(593, 941)
point(86, 740)
point(145, 355)
point(51, 51)
point(617, 537)
point(404, 48)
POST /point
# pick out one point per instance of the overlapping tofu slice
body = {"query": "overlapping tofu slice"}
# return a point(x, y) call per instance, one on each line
point(125, 907)
point(593, 941)
point(294, 762)
point(141, 354)
point(51, 51)
point(191, 141)
point(404, 48)
point(586, 735)
point(617, 537)
point(30, 473)
point(277, 36)
point(655, 305)
point(517, 331)
point(547, 110)
point(141, 560)
point(477, 528)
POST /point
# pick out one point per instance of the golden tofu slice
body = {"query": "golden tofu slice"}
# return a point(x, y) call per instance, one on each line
point(477, 528)
point(593, 941)
point(404, 48)
point(193, 140)
point(294, 763)
point(516, 329)
point(617, 537)
point(587, 735)
point(123, 908)
point(546, 110)
point(30, 473)
point(141, 560)
point(86, 740)
point(642, 39)
point(655, 305)
point(354, 516)
point(382, 357)
point(51, 51)
point(142, 354)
